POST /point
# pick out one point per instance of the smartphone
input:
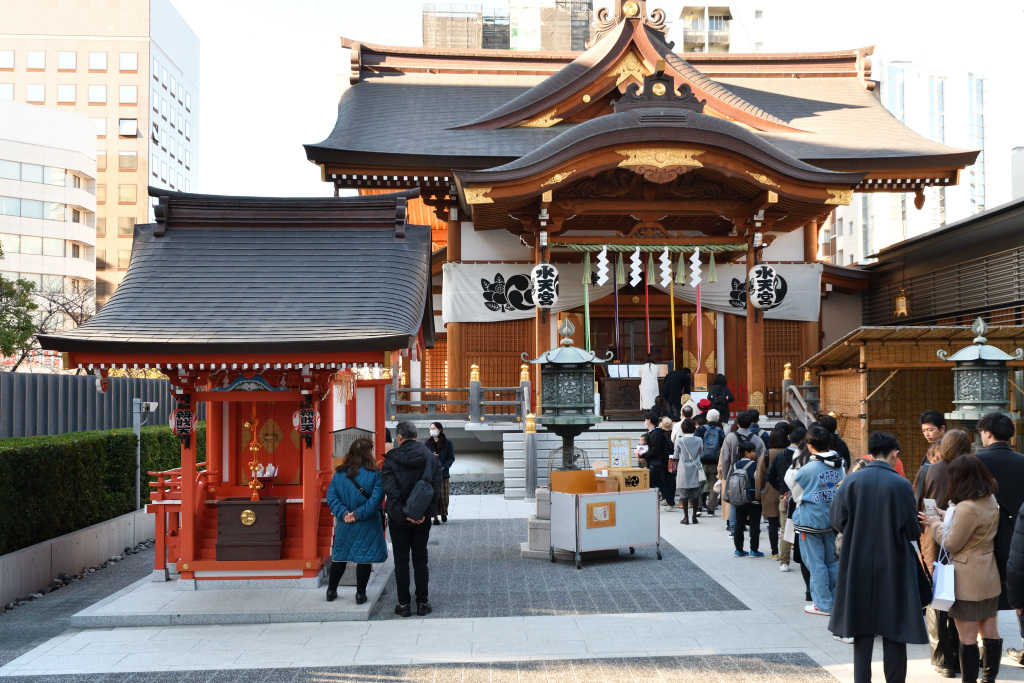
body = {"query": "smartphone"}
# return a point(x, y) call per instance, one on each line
point(929, 507)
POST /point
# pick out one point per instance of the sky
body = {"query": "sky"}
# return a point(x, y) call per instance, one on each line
point(271, 72)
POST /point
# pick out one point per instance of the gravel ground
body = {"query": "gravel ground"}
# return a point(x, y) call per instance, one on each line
point(35, 622)
point(476, 488)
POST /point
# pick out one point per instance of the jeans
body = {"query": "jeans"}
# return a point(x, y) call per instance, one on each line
point(744, 515)
point(894, 659)
point(406, 538)
point(731, 524)
point(712, 476)
point(818, 552)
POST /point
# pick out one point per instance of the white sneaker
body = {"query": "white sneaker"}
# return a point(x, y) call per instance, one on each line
point(848, 641)
point(783, 567)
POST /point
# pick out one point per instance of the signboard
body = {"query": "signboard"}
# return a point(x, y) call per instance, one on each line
point(620, 452)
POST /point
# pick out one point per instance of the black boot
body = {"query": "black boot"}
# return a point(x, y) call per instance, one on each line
point(990, 658)
point(970, 661)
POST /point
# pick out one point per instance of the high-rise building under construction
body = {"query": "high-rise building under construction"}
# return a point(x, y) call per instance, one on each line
point(549, 25)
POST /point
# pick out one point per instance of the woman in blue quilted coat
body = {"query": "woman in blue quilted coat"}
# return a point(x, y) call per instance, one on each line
point(355, 497)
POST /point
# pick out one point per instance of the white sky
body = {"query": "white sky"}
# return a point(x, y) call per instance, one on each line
point(269, 70)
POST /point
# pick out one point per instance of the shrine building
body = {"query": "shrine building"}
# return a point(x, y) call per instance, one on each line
point(621, 162)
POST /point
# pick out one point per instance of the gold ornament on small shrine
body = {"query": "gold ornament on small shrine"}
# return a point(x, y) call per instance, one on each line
point(630, 9)
point(248, 517)
point(254, 448)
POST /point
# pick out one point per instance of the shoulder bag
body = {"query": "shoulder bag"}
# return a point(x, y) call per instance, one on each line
point(419, 498)
point(702, 477)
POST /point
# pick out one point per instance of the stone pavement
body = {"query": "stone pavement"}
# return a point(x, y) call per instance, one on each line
point(763, 636)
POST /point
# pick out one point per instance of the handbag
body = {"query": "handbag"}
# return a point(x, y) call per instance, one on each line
point(422, 493)
point(924, 581)
point(943, 595)
point(702, 476)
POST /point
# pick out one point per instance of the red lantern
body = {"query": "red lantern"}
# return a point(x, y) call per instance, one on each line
point(183, 422)
point(306, 420)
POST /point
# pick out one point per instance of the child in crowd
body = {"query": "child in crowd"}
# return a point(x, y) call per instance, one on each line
point(641, 451)
point(748, 515)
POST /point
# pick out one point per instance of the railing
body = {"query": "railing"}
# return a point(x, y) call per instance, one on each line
point(481, 404)
point(166, 493)
point(802, 401)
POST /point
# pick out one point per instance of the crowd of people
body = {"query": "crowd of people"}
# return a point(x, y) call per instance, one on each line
point(868, 541)
point(399, 494)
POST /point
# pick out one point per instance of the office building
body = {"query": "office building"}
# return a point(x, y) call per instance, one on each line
point(132, 68)
point(1017, 172)
point(548, 25)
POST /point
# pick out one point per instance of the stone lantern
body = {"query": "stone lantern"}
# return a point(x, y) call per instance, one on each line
point(981, 379)
point(567, 391)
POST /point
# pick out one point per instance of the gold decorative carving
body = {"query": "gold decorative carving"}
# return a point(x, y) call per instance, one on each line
point(475, 195)
point(712, 318)
point(630, 65)
point(711, 363)
point(763, 179)
point(843, 197)
point(557, 178)
point(756, 400)
point(543, 121)
point(660, 164)
point(248, 517)
point(658, 89)
point(270, 436)
point(690, 361)
point(630, 9)
point(586, 99)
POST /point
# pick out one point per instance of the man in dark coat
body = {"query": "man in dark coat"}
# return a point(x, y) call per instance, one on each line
point(876, 588)
point(1007, 467)
point(1015, 581)
point(658, 451)
point(403, 467)
point(676, 384)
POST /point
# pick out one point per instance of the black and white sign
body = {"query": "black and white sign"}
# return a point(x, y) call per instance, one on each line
point(544, 280)
point(765, 287)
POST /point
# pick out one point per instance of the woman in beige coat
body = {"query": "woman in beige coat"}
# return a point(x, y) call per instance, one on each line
point(967, 534)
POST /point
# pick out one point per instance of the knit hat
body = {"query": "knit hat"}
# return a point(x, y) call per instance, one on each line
point(713, 415)
point(703, 404)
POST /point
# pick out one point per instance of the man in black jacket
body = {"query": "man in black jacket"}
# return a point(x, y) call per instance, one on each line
point(1007, 467)
point(658, 451)
point(1015, 581)
point(831, 425)
point(403, 467)
point(675, 385)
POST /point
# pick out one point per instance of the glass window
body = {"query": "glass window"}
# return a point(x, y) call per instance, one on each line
point(35, 92)
point(163, 76)
point(53, 247)
point(67, 61)
point(10, 206)
point(10, 170)
point(101, 261)
point(124, 257)
point(173, 118)
point(129, 94)
point(128, 160)
point(170, 179)
point(126, 194)
point(128, 127)
point(174, 87)
point(32, 173)
point(188, 130)
point(163, 139)
point(31, 209)
point(163, 108)
point(53, 283)
point(76, 182)
point(188, 101)
point(188, 185)
point(129, 61)
point(154, 165)
point(66, 94)
point(155, 100)
point(125, 226)
point(101, 161)
point(55, 176)
point(188, 158)
point(6, 59)
point(181, 180)
point(170, 148)
point(31, 245)
point(54, 211)
point(11, 244)
point(7, 92)
point(101, 226)
point(163, 170)
point(76, 216)
point(97, 61)
point(76, 252)
point(37, 280)
point(181, 121)
point(35, 60)
point(101, 193)
point(156, 133)
point(97, 94)
point(101, 127)
point(181, 152)
point(156, 69)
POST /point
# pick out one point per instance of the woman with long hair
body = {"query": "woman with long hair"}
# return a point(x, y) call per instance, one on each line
point(355, 497)
point(967, 533)
point(439, 445)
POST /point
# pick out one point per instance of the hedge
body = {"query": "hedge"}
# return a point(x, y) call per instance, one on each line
point(53, 485)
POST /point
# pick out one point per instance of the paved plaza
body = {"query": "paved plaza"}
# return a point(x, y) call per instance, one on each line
point(721, 619)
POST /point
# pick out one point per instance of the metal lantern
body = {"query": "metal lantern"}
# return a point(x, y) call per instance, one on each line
point(567, 390)
point(763, 286)
point(544, 282)
point(981, 379)
point(902, 311)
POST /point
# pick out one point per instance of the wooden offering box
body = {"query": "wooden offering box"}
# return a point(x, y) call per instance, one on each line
point(250, 529)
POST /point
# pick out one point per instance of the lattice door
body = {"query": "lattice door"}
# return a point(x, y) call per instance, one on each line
point(495, 347)
point(781, 346)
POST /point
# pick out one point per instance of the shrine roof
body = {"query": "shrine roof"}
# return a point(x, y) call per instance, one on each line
point(837, 124)
point(267, 275)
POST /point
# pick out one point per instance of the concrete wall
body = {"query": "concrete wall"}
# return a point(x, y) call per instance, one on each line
point(28, 570)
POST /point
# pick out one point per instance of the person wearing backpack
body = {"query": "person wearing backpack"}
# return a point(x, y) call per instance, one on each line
point(745, 499)
point(814, 484)
point(721, 396)
point(730, 454)
point(711, 435)
point(405, 466)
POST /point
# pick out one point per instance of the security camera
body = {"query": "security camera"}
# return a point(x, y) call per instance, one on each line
point(149, 406)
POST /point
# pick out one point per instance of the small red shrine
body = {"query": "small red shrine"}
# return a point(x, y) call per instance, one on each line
point(282, 316)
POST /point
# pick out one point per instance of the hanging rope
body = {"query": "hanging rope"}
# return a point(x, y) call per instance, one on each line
point(674, 248)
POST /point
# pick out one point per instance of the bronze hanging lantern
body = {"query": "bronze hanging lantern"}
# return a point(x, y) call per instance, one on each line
point(901, 305)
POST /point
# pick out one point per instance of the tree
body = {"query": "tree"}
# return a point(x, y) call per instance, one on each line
point(55, 310)
point(16, 307)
